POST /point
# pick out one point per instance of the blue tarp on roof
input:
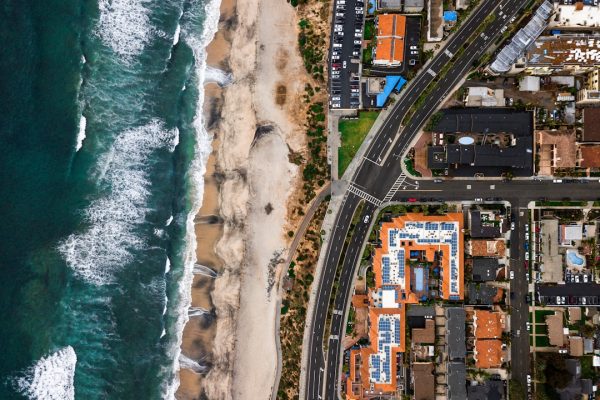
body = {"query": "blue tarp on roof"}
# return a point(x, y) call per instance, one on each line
point(391, 83)
point(450, 16)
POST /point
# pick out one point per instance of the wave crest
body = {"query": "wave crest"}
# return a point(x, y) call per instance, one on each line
point(110, 239)
point(124, 26)
point(51, 377)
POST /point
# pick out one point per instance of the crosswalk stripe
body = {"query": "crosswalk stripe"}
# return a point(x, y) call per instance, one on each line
point(365, 195)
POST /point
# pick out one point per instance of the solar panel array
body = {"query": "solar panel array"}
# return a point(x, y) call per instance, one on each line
point(380, 369)
point(425, 233)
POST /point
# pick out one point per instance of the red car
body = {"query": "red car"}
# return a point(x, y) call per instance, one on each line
point(412, 200)
point(526, 264)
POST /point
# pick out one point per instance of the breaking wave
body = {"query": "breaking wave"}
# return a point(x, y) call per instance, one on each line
point(50, 378)
point(217, 76)
point(110, 239)
point(124, 26)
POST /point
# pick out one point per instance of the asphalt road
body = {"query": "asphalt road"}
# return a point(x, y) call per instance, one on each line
point(376, 180)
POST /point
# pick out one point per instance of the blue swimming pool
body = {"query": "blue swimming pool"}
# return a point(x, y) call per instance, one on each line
point(574, 258)
point(419, 279)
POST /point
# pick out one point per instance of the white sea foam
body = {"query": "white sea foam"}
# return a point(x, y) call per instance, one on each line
point(169, 220)
point(217, 76)
point(81, 134)
point(167, 266)
point(176, 36)
point(108, 242)
point(124, 26)
point(51, 377)
point(188, 363)
point(196, 311)
point(202, 151)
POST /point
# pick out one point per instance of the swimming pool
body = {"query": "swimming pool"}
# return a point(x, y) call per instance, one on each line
point(574, 258)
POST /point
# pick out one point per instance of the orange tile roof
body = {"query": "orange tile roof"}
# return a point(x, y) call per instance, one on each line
point(488, 324)
point(487, 248)
point(429, 251)
point(488, 353)
point(391, 30)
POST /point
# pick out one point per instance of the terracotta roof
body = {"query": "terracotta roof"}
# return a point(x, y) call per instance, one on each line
point(391, 30)
point(564, 154)
point(555, 329)
point(424, 335)
point(423, 381)
point(487, 248)
point(488, 324)
point(488, 353)
point(590, 156)
point(576, 346)
point(591, 124)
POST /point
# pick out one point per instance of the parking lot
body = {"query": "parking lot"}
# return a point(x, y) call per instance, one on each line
point(569, 294)
point(345, 54)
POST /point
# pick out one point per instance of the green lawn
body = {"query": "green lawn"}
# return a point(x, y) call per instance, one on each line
point(369, 29)
point(540, 329)
point(353, 132)
point(542, 341)
point(541, 314)
point(587, 369)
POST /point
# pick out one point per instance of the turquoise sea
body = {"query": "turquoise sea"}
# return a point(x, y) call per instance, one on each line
point(101, 169)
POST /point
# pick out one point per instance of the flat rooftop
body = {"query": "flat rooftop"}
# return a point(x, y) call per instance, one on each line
point(558, 51)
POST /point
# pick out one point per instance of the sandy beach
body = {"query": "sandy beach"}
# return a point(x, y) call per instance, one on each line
point(249, 183)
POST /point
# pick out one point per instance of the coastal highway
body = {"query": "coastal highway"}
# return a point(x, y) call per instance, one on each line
point(377, 180)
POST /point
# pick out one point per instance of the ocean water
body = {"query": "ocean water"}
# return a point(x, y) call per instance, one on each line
point(103, 152)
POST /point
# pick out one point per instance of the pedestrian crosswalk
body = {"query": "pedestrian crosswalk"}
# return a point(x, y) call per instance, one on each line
point(394, 188)
point(364, 195)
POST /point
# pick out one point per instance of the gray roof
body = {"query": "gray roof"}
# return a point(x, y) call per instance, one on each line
point(457, 381)
point(490, 390)
point(587, 386)
point(574, 367)
point(588, 345)
point(484, 268)
point(481, 294)
point(414, 4)
point(486, 121)
point(478, 230)
point(522, 39)
point(415, 310)
point(455, 333)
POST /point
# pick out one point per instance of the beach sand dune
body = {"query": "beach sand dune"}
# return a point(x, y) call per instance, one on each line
point(256, 120)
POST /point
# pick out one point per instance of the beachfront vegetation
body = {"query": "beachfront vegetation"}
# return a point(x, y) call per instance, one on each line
point(353, 132)
point(293, 310)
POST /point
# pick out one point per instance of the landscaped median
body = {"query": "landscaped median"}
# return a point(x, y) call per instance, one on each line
point(353, 132)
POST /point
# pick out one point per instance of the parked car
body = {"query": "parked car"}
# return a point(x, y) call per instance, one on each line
point(512, 274)
point(412, 200)
point(512, 226)
point(438, 180)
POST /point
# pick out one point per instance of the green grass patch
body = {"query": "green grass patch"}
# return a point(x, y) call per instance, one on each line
point(369, 29)
point(542, 341)
point(541, 314)
point(540, 329)
point(410, 167)
point(560, 203)
point(353, 132)
point(587, 369)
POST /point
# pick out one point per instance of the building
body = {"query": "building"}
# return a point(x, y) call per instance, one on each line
point(411, 245)
point(569, 233)
point(489, 390)
point(522, 40)
point(483, 294)
point(481, 96)
point(414, 6)
point(423, 381)
point(455, 333)
point(591, 125)
point(482, 141)
point(576, 346)
point(589, 156)
point(569, 53)
point(590, 92)
point(391, 31)
point(456, 381)
point(487, 248)
point(557, 150)
point(485, 269)
point(488, 332)
point(529, 84)
point(485, 224)
point(556, 333)
point(435, 20)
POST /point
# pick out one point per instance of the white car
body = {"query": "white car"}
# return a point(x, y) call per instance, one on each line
point(366, 220)
point(358, 35)
point(478, 199)
point(335, 98)
point(344, 64)
point(576, 278)
point(529, 379)
point(337, 45)
point(359, 9)
point(583, 301)
point(335, 105)
point(585, 278)
point(357, 41)
point(512, 226)
point(512, 274)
